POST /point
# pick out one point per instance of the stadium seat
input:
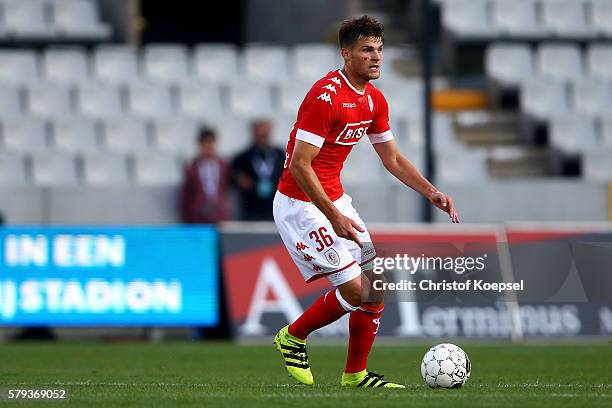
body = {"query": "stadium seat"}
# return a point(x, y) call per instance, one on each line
point(74, 135)
point(465, 165)
point(543, 98)
point(468, 18)
point(573, 133)
point(167, 63)
point(599, 61)
point(105, 169)
point(27, 19)
point(282, 125)
point(250, 99)
point(234, 134)
point(601, 16)
point(404, 97)
point(156, 169)
point(53, 169)
point(99, 100)
point(65, 65)
point(267, 63)
point(559, 61)
point(292, 93)
point(10, 101)
point(48, 100)
point(115, 63)
point(12, 170)
point(592, 96)
point(79, 18)
point(149, 100)
point(200, 101)
point(23, 135)
point(216, 63)
point(176, 135)
point(18, 66)
point(596, 164)
point(517, 18)
point(363, 165)
point(509, 64)
point(127, 135)
point(566, 18)
point(313, 61)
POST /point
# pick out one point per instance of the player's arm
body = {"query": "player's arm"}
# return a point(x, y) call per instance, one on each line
point(398, 165)
point(303, 173)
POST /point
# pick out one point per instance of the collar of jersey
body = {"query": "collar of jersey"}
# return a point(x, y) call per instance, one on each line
point(349, 83)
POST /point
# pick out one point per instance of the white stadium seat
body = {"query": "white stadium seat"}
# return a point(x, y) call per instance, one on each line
point(74, 135)
point(509, 64)
point(313, 61)
point(599, 61)
point(559, 61)
point(18, 66)
point(200, 101)
point(601, 16)
point(216, 63)
point(267, 63)
point(596, 164)
point(126, 135)
point(149, 100)
point(363, 166)
point(115, 63)
point(65, 65)
point(156, 169)
point(10, 101)
point(517, 18)
point(167, 63)
point(53, 169)
point(48, 100)
point(250, 99)
point(404, 97)
point(79, 18)
point(234, 134)
point(592, 96)
point(466, 165)
point(573, 133)
point(176, 135)
point(105, 169)
point(544, 98)
point(468, 17)
point(292, 93)
point(99, 100)
point(12, 170)
point(566, 18)
point(282, 125)
point(23, 135)
point(27, 19)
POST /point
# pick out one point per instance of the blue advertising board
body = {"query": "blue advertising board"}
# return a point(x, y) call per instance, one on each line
point(109, 276)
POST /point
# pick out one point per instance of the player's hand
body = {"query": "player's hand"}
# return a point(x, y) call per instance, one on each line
point(446, 204)
point(345, 228)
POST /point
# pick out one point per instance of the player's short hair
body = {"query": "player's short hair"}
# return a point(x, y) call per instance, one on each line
point(360, 27)
point(206, 134)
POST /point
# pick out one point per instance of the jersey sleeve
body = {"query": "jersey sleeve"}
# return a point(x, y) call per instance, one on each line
point(317, 118)
point(380, 131)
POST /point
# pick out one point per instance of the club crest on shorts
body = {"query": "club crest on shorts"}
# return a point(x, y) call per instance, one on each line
point(332, 257)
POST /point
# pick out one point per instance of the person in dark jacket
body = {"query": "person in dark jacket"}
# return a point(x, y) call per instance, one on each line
point(256, 172)
point(205, 184)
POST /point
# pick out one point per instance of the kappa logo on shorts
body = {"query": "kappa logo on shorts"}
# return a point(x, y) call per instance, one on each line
point(332, 256)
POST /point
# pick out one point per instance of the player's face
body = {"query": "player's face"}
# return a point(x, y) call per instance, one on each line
point(365, 57)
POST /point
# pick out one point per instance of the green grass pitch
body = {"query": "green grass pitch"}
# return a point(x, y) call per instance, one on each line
point(229, 375)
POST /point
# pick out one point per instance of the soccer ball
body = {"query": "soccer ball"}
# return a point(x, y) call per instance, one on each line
point(445, 366)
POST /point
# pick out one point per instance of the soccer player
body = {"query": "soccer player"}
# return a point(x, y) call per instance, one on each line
point(315, 218)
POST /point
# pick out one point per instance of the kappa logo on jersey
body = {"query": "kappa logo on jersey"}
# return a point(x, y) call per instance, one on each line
point(325, 97)
point(336, 81)
point(349, 105)
point(370, 103)
point(331, 88)
point(353, 132)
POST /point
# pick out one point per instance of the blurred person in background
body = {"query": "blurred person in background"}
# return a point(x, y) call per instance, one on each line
point(256, 172)
point(205, 184)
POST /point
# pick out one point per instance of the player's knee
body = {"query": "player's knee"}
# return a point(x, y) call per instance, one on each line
point(351, 292)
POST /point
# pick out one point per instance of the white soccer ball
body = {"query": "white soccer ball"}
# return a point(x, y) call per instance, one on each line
point(445, 366)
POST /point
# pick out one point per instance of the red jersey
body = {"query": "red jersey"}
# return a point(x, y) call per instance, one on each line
point(334, 116)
